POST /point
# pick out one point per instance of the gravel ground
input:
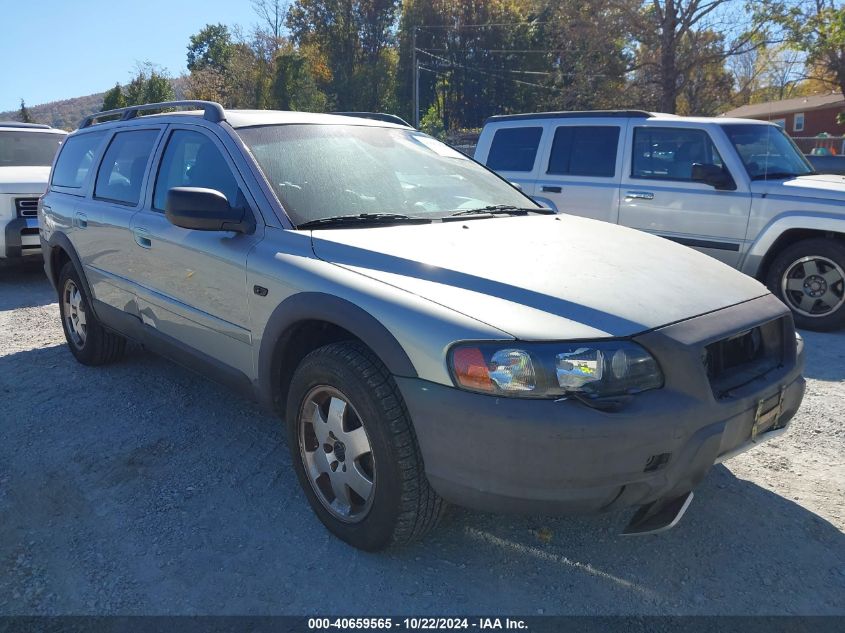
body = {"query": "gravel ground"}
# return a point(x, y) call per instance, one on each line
point(142, 488)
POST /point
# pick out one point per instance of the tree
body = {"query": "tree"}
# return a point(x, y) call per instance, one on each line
point(212, 48)
point(114, 98)
point(294, 85)
point(151, 84)
point(816, 27)
point(23, 113)
point(272, 14)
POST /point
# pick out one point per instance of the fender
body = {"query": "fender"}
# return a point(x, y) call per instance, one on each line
point(318, 306)
point(60, 240)
point(833, 223)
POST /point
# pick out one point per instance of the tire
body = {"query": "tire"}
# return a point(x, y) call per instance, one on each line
point(809, 277)
point(346, 389)
point(87, 339)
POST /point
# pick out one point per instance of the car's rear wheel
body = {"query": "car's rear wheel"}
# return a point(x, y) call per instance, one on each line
point(87, 339)
point(809, 277)
point(355, 451)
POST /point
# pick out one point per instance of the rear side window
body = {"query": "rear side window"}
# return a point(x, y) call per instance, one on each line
point(670, 153)
point(75, 160)
point(587, 150)
point(122, 170)
point(193, 160)
point(514, 148)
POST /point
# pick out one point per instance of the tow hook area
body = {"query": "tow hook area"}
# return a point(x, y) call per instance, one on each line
point(658, 516)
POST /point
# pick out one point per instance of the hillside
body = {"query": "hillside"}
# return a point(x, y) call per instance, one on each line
point(67, 114)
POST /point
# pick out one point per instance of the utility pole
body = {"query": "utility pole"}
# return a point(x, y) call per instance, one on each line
point(416, 78)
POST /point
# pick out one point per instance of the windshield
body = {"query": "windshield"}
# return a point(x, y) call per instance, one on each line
point(28, 149)
point(767, 151)
point(321, 171)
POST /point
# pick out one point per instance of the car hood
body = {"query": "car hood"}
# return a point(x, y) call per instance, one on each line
point(24, 179)
point(543, 277)
point(827, 186)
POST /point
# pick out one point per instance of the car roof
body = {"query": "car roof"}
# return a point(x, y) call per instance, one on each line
point(621, 114)
point(29, 127)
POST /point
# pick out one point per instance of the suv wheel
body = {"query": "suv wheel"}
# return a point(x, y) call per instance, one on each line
point(89, 342)
point(355, 451)
point(809, 277)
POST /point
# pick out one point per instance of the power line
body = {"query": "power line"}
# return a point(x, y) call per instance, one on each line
point(482, 26)
point(520, 72)
point(484, 72)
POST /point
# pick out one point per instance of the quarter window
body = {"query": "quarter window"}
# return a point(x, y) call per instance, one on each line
point(588, 150)
point(670, 153)
point(122, 171)
point(514, 149)
point(75, 160)
point(192, 159)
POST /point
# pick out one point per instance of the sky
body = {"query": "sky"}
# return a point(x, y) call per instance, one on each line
point(58, 49)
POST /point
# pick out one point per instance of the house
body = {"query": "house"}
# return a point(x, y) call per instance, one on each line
point(801, 117)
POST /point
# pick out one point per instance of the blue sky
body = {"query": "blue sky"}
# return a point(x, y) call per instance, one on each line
point(57, 49)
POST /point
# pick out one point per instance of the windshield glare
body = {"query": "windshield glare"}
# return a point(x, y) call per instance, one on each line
point(28, 149)
point(320, 171)
point(766, 150)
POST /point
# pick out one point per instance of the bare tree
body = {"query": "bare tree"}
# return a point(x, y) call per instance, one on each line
point(272, 14)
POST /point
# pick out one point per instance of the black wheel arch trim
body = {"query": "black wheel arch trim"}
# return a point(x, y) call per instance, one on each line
point(318, 306)
point(60, 240)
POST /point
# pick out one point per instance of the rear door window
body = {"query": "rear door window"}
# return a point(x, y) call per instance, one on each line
point(514, 148)
point(122, 171)
point(584, 150)
point(669, 153)
point(75, 160)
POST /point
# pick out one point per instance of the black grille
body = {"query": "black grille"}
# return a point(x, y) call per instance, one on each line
point(738, 360)
point(26, 207)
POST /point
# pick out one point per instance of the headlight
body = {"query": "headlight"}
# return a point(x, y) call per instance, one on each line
point(597, 369)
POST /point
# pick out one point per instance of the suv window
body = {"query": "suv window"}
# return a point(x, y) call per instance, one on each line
point(584, 150)
point(514, 149)
point(122, 170)
point(25, 149)
point(670, 153)
point(192, 160)
point(75, 160)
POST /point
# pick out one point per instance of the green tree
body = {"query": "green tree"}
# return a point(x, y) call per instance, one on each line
point(294, 85)
point(151, 84)
point(114, 98)
point(212, 47)
point(23, 113)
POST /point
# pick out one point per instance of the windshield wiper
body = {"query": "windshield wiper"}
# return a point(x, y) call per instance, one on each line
point(362, 219)
point(774, 175)
point(501, 209)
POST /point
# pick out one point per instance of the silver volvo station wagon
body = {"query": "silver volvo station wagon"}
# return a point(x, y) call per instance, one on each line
point(427, 332)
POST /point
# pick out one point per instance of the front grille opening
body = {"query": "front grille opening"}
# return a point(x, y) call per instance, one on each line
point(26, 207)
point(742, 358)
point(656, 462)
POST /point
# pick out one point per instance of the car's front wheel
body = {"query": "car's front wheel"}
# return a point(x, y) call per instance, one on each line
point(809, 277)
point(87, 339)
point(355, 451)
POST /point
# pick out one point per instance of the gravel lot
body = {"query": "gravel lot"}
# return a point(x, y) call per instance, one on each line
point(143, 488)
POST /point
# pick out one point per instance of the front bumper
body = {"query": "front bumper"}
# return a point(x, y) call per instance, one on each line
point(515, 455)
point(20, 238)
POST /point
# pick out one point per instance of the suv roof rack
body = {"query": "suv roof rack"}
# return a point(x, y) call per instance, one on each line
point(572, 114)
point(377, 116)
point(212, 111)
point(36, 126)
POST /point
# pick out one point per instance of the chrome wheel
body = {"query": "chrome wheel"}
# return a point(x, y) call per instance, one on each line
point(814, 286)
point(73, 312)
point(337, 454)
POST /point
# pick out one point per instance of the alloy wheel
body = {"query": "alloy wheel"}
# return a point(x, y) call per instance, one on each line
point(74, 314)
point(814, 286)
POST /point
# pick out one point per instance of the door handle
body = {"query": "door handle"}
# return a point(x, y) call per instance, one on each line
point(639, 195)
point(142, 238)
point(552, 189)
point(81, 220)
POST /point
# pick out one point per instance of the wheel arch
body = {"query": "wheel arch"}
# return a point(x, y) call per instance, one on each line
point(60, 252)
point(309, 320)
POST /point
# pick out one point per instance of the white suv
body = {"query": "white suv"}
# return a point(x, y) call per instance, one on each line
point(26, 153)
point(736, 189)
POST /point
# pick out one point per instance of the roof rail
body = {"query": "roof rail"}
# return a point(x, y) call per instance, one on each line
point(611, 114)
point(212, 111)
point(37, 126)
point(377, 116)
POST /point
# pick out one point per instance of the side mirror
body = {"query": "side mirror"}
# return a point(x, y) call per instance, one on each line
point(205, 210)
point(713, 175)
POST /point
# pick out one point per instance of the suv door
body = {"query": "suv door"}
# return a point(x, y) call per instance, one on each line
point(660, 196)
point(192, 286)
point(101, 222)
point(580, 173)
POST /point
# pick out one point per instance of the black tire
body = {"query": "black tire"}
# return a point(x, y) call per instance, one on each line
point(98, 346)
point(402, 506)
point(784, 266)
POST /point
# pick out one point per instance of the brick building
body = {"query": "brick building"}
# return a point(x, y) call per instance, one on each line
point(801, 117)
